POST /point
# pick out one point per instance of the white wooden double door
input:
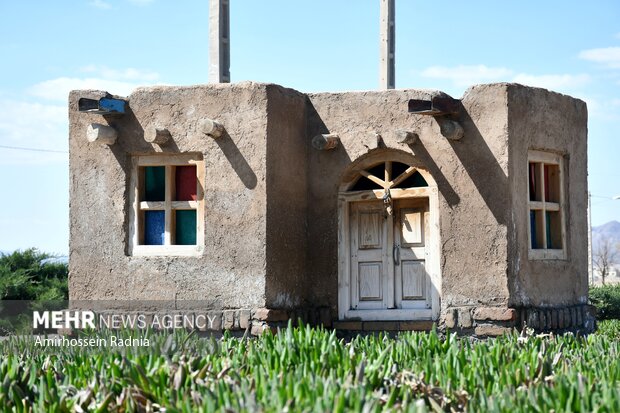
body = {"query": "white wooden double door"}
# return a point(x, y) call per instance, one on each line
point(388, 255)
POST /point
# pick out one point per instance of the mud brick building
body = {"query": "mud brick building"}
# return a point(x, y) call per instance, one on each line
point(361, 210)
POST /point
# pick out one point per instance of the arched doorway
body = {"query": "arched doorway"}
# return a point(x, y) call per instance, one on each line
point(388, 240)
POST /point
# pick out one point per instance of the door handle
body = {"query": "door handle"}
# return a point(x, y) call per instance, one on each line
point(396, 254)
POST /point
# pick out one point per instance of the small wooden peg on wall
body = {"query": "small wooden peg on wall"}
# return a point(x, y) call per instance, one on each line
point(97, 132)
point(325, 142)
point(450, 129)
point(160, 136)
point(211, 128)
point(405, 137)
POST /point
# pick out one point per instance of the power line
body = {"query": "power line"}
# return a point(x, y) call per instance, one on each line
point(20, 148)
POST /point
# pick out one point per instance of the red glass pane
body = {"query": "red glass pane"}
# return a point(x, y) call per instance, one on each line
point(185, 180)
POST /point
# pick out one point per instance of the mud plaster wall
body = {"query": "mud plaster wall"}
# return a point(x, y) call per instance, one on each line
point(545, 120)
point(231, 274)
point(287, 168)
point(474, 201)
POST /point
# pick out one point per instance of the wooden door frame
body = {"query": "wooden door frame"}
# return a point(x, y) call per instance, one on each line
point(346, 197)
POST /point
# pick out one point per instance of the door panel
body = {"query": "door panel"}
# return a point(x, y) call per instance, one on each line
point(370, 288)
point(369, 263)
point(412, 283)
point(413, 279)
point(411, 233)
point(370, 229)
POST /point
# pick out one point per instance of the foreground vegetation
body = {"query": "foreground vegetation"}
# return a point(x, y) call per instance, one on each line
point(305, 369)
point(302, 369)
point(606, 299)
point(32, 275)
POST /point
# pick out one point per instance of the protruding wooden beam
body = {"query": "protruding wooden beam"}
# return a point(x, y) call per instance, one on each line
point(405, 137)
point(101, 134)
point(325, 142)
point(160, 136)
point(211, 128)
point(450, 129)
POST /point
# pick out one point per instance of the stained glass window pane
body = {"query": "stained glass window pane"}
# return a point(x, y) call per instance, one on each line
point(185, 180)
point(154, 183)
point(154, 227)
point(185, 227)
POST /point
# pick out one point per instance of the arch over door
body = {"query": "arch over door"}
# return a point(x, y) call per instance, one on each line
point(388, 244)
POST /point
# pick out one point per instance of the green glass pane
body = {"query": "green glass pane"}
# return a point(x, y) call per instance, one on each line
point(154, 183)
point(186, 227)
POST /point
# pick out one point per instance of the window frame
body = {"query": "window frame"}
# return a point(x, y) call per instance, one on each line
point(136, 221)
point(546, 158)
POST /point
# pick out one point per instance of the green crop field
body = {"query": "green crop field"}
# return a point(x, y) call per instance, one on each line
point(311, 370)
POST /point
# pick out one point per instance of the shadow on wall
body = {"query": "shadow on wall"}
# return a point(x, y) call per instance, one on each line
point(427, 162)
point(237, 160)
point(326, 170)
point(482, 167)
point(131, 127)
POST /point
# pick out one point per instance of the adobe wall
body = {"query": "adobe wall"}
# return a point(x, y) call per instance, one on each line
point(544, 120)
point(474, 197)
point(231, 273)
point(287, 207)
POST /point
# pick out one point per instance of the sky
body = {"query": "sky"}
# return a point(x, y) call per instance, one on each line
point(48, 48)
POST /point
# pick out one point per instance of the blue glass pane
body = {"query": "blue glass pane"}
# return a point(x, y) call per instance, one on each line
point(154, 227)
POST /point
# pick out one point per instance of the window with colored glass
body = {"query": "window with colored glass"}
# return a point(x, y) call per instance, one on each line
point(168, 205)
point(546, 206)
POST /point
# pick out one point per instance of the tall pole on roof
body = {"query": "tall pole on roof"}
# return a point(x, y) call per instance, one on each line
point(219, 41)
point(387, 39)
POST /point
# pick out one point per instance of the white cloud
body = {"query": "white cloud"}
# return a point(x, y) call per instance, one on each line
point(44, 125)
point(464, 75)
point(58, 89)
point(607, 56)
point(126, 74)
point(554, 82)
point(117, 82)
point(32, 125)
point(100, 4)
point(617, 35)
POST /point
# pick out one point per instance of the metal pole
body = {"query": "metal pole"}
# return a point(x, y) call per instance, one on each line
point(387, 39)
point(219, 41)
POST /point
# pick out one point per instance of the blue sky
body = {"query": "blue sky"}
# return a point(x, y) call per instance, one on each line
point(49, 48)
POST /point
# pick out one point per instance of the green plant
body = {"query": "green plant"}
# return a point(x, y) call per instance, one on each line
point(31, 275)
point(606, 299)
point(312, 370)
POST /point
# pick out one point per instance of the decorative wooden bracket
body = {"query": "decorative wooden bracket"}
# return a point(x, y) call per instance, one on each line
point(103, 106)
point(101, 134)
point(160, 136)
point(325, 142)
point(211, 128)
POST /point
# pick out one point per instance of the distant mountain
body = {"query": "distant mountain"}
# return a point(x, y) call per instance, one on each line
point(610, 230)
